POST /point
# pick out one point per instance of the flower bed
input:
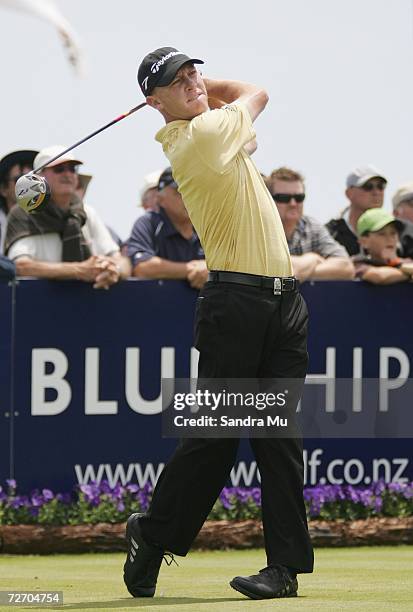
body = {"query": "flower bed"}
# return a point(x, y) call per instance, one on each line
point(100, 503)
point(92, 517)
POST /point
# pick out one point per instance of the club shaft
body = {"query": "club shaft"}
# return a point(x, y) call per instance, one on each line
point(132, 110)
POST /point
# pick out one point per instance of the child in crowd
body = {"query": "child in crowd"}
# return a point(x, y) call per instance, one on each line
point(378, 263)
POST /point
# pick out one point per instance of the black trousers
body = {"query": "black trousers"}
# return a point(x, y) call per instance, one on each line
point(241, 332)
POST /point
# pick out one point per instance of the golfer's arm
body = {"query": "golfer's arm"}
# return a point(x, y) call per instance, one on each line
point(157, 268)
point(254, 98)
point(25, 266)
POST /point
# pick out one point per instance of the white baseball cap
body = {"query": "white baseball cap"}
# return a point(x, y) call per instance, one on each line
point(49, 152)
point(150, 181)
point(404, 192)
point(362, 174)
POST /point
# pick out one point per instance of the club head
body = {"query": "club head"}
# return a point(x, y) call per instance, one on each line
point(32, 192)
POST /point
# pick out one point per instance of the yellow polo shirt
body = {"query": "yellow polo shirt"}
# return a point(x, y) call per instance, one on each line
point(229, 205)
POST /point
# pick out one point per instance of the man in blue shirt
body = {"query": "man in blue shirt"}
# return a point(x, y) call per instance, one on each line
point(164, 244)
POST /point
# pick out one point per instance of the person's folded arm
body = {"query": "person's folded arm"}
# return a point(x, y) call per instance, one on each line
point(385, 275)
point(304, 265)
point(158, 268)
point(78, 270)
point(334, 268)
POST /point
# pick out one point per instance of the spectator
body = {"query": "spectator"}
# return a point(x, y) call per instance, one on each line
point(12, 166)
point(314, 253)
point(378, 263)
point(83, 181)
point(65, 240)
point(365, 189)
point(403, 210)
point(149, 191)
point(164, 244)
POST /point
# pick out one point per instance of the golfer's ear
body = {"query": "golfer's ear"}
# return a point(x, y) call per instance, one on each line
point(154, 102)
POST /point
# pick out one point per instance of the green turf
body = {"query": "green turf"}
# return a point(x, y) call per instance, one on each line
point(359, 579)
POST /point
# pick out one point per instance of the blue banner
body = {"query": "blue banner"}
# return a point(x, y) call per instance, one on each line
point(88, 366)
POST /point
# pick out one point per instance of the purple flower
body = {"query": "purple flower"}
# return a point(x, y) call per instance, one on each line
point(378, 504)
point(37, 500)
point(16, 502)
point(11, 483)
point(104, 486)
point(47, 494)
point(64, 498)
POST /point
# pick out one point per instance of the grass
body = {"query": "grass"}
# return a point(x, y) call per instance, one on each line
point(358, 579)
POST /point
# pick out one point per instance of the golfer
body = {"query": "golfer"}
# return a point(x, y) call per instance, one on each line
point(251, 322)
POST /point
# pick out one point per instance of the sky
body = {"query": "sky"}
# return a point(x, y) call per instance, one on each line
point(338, 73)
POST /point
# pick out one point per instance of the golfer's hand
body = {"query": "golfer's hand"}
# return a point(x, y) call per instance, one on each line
point(109, 274)
point(197, 273)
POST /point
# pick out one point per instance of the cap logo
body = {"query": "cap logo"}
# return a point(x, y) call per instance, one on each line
point(156, 66)
point(145, 83)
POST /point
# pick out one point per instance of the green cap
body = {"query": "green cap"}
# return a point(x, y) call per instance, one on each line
point(374, 219)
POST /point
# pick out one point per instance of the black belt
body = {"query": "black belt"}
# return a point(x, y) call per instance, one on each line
point(278, 284)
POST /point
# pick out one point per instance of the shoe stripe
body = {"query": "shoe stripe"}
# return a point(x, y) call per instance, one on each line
point(131, 559)
point(134, 543)
point(133, 551)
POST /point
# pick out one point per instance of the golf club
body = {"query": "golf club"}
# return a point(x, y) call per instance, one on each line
point(32, 190)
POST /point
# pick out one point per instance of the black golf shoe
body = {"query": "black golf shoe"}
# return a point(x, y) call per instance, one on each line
point(143, 561)
point(272, 581)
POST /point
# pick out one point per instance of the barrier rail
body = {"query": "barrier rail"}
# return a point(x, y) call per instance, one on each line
point(80, 378)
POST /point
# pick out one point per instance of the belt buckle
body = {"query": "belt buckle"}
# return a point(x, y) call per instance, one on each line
point(277, 286)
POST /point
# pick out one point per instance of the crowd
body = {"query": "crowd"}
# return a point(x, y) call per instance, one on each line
point(68, 239)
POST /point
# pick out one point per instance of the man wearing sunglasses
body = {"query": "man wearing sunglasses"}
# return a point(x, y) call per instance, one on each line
point(66, 240)
point(12, 166)
point(365, 187)
point(314, 253)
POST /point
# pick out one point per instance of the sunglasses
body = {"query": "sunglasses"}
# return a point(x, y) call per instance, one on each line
point(285, 198)
point(370, 185)
point(60, 168)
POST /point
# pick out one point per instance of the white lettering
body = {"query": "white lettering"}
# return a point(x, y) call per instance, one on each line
point(359, 471)
point(93, 405)
point(155, 67)
point(133, 396)
point(53, 380)
point(240, 473)
point(327, 379)
point(402, 462)
point(313, 462)
point(330, 472)
point(386, 383)
point(377, 464)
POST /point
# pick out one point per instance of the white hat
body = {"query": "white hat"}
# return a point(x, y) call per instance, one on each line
point(150, 181)
point(362, 174)
point(404, 192)
point(44, 155)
